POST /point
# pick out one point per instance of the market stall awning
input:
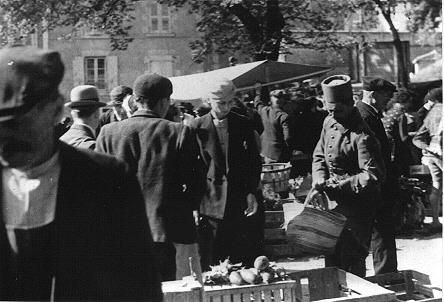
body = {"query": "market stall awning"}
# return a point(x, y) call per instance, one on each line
point(244, 76)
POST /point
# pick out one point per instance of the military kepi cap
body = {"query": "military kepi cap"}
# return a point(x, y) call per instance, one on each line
point(27, 76)
point(337, 89)
point(377, 84)
point(152, 86)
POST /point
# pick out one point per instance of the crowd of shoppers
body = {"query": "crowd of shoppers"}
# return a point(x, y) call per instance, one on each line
point(150, 191)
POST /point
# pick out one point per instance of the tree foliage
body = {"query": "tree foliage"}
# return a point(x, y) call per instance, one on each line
point(112, 17)
point(261, 28)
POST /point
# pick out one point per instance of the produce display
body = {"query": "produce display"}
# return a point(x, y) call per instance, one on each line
point(227, 273)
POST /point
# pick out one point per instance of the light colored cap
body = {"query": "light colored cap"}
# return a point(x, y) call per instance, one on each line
point(221, 88)
point(84, 96)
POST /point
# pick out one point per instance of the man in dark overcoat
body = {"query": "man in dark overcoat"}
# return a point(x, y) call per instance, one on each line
point(72, 221)
point(164, 155)
point(229, 151)
point(377, 93)
point(347, 165)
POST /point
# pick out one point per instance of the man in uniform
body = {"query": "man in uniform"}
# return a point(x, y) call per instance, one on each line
point(229, 151)
point(347, 165)
point(377, 93)
point(84, 106)
point(73, 224)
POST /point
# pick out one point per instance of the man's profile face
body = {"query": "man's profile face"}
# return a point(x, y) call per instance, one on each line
point(221, 106)
point(382, 97)
point(339, 111)
point(24, 138)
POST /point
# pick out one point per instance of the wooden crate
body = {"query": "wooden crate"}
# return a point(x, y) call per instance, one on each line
point(408, 285)
point(182, 290)
point(282, 291)
point(333, 284)
point(274, 219)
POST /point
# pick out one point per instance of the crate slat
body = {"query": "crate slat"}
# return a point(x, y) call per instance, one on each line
point(267, 296)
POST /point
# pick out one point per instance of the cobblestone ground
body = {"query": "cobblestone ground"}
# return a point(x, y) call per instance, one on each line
point(419, 253)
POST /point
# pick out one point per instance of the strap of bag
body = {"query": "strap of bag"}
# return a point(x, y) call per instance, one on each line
point(312, 193)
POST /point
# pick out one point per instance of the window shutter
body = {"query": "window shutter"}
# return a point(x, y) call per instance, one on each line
point(112, 72)
point(78, 72)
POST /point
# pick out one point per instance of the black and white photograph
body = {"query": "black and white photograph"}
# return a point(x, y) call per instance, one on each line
point(221, 150)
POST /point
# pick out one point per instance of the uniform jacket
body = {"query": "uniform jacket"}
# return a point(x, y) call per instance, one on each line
point(240, 169)
point(373, 120)
point(277, 138)
point(350, 153)
point(103, 241)
point(164, 156)
point(79, 136)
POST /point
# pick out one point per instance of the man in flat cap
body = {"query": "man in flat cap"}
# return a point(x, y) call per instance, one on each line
point(116, 112)
point(164, 155)
point(72, 224)
point(377, 93)
point(277, 137)
point(84, 106)
point(348, 167)
point(229, 151)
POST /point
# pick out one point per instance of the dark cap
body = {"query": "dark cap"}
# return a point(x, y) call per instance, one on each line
point(152, 86)
point(27, 76)
point(434, 95)
point(118, 93)
point(377, 84)
point(337, 89)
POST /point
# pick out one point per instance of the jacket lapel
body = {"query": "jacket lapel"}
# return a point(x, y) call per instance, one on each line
point(211, 145)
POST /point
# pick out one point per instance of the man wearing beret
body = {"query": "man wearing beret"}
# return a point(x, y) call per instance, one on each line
point(117, 113)
point(348, 167)
point(229, 151)
point(164, 155)
point(377, 93)
point(72, 222)
point(277, 137)
point(84, 106)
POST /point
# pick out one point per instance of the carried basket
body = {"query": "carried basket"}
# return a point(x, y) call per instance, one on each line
point(275, 176)
point(315, 230)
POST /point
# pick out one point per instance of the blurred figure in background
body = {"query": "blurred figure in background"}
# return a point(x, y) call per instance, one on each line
point(116, 113)
point(429, 138)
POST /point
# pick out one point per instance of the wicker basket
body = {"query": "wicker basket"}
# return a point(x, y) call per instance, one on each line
point(276, 176)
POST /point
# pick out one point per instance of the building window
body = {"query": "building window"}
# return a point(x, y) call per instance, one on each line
point(160, 18)
point(95, 72)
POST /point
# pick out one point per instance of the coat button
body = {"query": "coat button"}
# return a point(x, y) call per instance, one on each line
point(330, 146)
point(329, 155)
point(332, 137)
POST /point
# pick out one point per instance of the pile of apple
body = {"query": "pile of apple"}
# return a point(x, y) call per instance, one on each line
point(228, 273)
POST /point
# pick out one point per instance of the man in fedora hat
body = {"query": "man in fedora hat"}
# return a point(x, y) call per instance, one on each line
point(348, 167)
point(72, 222)
point(232, 162)
point(164, 155)
point(84, 106)
point(377, 92)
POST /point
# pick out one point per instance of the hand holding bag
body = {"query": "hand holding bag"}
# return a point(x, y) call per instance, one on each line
point(316, 229)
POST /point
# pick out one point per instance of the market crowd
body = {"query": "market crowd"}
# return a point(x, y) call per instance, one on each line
point(123, 195)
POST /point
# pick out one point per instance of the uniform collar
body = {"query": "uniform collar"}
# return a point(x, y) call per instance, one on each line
point(347, 126)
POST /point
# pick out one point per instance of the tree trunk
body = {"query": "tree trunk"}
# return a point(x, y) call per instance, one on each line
point(402, 76)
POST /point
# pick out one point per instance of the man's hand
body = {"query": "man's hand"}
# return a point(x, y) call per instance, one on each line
point(196, 217)
point(252, 205)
